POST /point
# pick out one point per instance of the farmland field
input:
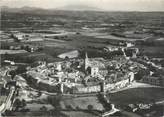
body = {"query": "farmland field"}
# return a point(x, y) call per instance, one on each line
point(12, 51)
point(137, 95)
point(82, 103)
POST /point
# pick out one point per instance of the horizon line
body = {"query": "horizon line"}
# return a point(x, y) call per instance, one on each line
point(100, 10)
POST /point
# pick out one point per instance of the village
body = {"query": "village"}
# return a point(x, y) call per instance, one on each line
point(81, 63)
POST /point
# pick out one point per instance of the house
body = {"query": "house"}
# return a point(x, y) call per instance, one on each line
point(128, 44)
point(71, 54)
point(20, 36)
point(103, 72)
point(94, 71)
point(111, 48)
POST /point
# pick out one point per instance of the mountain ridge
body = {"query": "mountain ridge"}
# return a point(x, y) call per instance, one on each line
point(79, 8)
point(27, 9)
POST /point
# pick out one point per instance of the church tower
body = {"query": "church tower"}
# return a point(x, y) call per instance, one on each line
point(86, 61)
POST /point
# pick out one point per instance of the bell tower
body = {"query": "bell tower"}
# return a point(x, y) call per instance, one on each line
point(86, 61)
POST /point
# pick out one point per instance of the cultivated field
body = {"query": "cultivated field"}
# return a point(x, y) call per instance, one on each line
point(137, 95)
point(81, 103)
point(12, 51)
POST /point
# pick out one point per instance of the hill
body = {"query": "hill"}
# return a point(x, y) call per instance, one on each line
point(79, 8)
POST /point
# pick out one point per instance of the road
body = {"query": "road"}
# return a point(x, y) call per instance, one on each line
point(111, 112)
point(7, 103)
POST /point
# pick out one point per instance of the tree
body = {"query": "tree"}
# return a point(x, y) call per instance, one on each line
point(66, 58)
point(17, 104)
point(69, 107)
point(23, 103)
point(12, 73)
point(39, 93)
point(8, 113)
point(77, 108)
point(3, 91)
point(43, 108)
point(141, 73)
point(21, 69)
point(90, 107)
point(55, 101)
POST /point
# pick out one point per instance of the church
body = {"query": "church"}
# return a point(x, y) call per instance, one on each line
point(94, 66)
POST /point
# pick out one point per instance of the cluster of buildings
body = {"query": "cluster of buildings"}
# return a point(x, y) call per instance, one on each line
point(26, 47)
point(154, 74)
point(25, 37)
point(127, 49)
point(85, 75)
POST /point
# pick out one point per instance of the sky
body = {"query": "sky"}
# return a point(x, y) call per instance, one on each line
point(109, 5)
